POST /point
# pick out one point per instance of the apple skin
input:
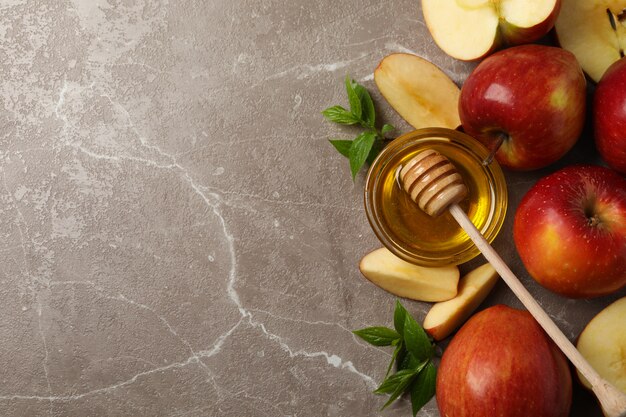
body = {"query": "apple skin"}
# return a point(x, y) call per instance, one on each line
point(515, 35)
point(570, 231)
point(501, 363)
point(609, 116)
point(503, 32)
point(533, 96)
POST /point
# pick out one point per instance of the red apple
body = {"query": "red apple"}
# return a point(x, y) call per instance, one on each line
point(570, 231)
point(501, 363)
point(609, 116)
point(528, 102)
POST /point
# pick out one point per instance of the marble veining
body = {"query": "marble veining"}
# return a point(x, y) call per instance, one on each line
point(178, 237)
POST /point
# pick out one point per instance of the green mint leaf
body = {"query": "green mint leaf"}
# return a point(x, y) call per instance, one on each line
point(408, 361)
point(413, 353)
point(368, 113)
point(378, 336)
point(394, 357)
point(399, 379)
point(340, 115)
point(423, 387)
point(398, 317)
point(401, 360)
point(416, 340)
point(402, 386)
point(377, 147)
point(387, 128)
point(342, 146)
point(367, 146)
point(353, 98)
point(359, 151)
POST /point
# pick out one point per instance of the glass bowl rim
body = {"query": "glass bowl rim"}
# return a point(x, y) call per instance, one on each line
point(411, 139)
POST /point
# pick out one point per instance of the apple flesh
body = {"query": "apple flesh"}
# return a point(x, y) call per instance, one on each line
point(471, 29)
point(526, 103)
point(595, 31)
point(609, 116)
point(403, 279)
point(603, 344)
point(419, 91)
point(501, 363)
point(570, 231)
point(445, 317)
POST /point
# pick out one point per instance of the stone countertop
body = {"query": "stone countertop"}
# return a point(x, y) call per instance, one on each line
point(178, 237)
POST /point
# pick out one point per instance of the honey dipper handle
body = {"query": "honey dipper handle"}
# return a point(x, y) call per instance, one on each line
point(612, 400)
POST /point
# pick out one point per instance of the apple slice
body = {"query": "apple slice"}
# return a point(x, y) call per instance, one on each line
point(419, 91)
point(603, 344)
point(445, 317)
point(594, 31)
point(403, 279)
point(471, 29)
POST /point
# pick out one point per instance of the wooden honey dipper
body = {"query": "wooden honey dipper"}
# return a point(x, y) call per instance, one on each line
point(434, 184)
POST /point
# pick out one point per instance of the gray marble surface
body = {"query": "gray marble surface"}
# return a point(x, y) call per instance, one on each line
point(178, 237)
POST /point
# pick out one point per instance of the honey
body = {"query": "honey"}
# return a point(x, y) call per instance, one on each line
point(412, 234)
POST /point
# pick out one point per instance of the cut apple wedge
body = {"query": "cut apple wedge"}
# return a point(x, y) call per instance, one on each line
point(471, 29)
point(419, 91)
point(403, 279)
point(603, 344)
point(445, 317)
point(594, 31)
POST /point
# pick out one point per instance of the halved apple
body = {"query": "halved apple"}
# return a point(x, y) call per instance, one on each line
point(419, 91)
point(471, 29)
point(445, 317)
point(603, 344)
point(594, 31)
point(403, 279)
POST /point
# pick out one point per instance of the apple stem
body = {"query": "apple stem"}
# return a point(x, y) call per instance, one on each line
point(594, 221)
point(500, 138)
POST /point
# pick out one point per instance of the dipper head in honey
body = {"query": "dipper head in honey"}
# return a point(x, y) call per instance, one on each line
point(433, 182)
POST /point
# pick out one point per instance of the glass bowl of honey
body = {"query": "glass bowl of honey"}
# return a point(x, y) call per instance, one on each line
point(410, 233)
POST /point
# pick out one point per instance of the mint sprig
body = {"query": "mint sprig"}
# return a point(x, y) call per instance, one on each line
point(378, 336)
point(413, 356)
point(366, 146)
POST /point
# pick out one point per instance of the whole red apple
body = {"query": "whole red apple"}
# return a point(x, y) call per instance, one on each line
point(609, 116)
point(501, 363)
point(528, 102)
point(570, 231)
